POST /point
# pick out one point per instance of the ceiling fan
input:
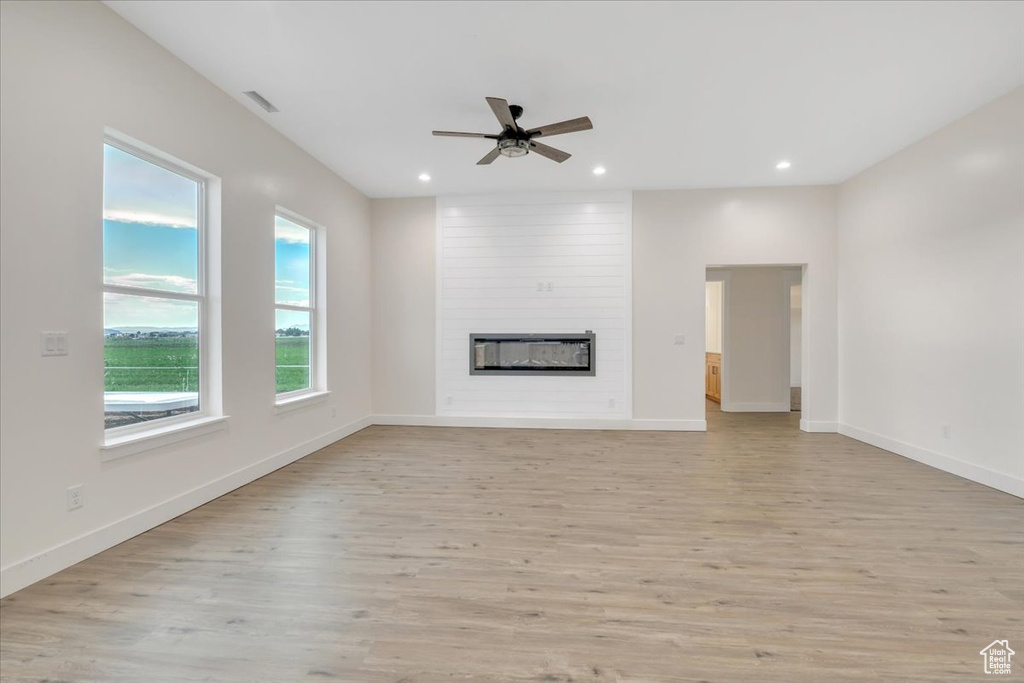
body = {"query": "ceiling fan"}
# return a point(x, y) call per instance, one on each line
point(513, 141)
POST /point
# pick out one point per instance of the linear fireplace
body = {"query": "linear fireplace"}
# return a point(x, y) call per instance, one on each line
point(533, 354)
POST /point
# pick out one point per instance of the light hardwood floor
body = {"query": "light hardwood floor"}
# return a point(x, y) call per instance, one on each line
point(754, 552)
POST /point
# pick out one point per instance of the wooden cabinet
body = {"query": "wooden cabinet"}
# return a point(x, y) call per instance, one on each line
point(713, 377)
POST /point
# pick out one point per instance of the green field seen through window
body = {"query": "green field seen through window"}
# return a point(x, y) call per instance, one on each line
point(170, 364)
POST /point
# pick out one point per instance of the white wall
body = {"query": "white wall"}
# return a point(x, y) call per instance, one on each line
point(931, 323)
point(404, 231)
point(755, 362)
point(931, 275)
point(555, 262)
point(677, 234)
point(713, 317)
point(795, 336)
point(67, 71)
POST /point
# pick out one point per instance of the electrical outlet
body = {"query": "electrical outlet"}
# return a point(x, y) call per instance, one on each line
point(947, 433)
point(75, 499)
point(334, 412)
point(611, 403)
point(540, 286)
point(679, 340)
point(448, 400)
point(550, 286)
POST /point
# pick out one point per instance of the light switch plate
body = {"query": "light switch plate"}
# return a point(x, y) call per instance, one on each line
point(53, 343)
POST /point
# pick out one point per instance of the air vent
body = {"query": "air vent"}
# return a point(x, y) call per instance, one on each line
point(261, 100)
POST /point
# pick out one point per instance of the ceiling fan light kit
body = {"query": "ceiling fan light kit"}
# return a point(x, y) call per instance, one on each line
point(511, 147)
point(513, 141)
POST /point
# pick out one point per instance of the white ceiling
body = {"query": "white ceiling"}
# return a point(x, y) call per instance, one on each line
point(682, 95)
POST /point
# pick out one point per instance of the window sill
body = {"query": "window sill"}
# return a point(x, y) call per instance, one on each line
point(290, 403)
point(130, 444)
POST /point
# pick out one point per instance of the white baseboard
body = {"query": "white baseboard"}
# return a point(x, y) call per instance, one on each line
point(16, 576)
point(818, 426)
point(732, 407)
point(20, 574)
point(533, 422)
point(670, 425)
point(624, 424)
point(976, 473)
point(405, 420)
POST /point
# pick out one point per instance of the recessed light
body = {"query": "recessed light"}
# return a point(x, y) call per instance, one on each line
point(425, 177)
point(783, 165)
point(599, 170)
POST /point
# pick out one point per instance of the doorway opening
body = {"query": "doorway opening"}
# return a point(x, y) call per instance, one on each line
point(754, 342)
point(713, 294)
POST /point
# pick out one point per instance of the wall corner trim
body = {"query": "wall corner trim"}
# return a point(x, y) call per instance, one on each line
point(980, 475)
point(18, 575)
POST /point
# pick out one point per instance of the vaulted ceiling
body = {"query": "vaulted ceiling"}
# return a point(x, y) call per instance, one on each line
point(682, 95)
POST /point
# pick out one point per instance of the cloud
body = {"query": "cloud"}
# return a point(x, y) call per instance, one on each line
point(135, 190)
point(148, 219)
point(282, 292)
point(286, 231)
point(123, 311)
point(170, 283)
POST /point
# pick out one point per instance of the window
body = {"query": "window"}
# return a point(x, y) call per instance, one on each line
point(153, 289)
point(295, 296)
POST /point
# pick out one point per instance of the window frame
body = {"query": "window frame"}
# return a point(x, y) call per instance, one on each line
point(200, 298)
point(317, 325)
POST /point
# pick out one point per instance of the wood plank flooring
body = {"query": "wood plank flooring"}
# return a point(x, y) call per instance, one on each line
point(753, 552)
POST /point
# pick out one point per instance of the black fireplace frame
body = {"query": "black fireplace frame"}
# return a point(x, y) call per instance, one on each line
point(552, 371)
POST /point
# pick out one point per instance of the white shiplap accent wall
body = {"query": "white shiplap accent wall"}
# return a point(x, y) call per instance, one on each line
point(492, 251)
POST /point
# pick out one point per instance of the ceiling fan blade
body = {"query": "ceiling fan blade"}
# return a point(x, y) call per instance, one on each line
point(549, 152)
point(490, 156)
point(570, 126)
point(452, 134)
point(501, 110)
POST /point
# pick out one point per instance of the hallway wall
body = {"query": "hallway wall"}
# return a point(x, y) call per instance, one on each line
point(713, 328)
point(795, 335)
